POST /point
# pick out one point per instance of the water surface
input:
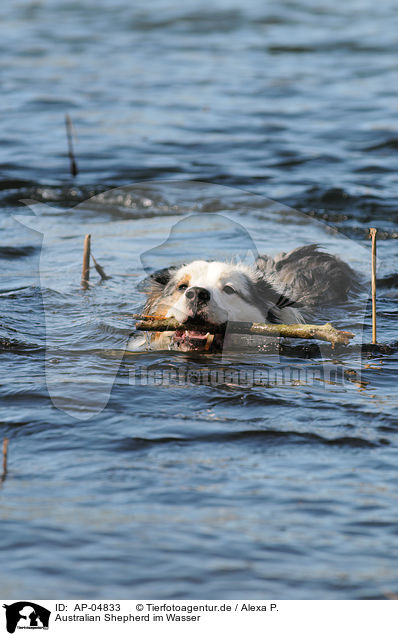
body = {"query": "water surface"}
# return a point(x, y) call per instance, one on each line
point(117, 489)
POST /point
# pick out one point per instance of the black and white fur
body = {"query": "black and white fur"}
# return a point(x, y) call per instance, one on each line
point(283, 289)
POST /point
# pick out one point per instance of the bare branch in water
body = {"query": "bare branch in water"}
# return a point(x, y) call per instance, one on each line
point(372, 233)
point(86, 261)
point(99, 269)
point(71, 154)
point(5, 455)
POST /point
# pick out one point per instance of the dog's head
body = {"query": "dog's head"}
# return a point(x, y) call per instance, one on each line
point(210, 293)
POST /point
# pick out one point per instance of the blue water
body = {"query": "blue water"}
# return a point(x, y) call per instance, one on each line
point(280, 118)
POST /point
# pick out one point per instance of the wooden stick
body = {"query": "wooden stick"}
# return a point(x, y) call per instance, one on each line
point(372, 233)
point(145, 317)
point(86, 261)
point(5, 453)
point(99, 269)
point(71, 154)
point(314, 332)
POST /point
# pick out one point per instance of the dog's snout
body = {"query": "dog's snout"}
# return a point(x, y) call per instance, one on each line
point(200, 294)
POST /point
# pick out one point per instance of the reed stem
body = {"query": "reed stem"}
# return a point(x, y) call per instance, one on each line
point(71, 154)
point(373, 233)
point(86, 261)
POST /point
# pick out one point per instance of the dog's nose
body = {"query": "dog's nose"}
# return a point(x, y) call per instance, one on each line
point(199, 294)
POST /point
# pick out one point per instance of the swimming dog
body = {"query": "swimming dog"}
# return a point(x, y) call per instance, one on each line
point(282, 289)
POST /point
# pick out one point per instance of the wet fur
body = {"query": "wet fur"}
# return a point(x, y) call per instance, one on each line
point(283, 289)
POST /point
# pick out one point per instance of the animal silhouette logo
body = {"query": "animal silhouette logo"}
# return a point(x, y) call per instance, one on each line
point(26, 615)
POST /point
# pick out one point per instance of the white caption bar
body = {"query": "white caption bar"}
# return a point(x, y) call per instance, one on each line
point(274, 618)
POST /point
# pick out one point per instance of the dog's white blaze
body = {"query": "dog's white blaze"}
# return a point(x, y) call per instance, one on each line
point(221, 306)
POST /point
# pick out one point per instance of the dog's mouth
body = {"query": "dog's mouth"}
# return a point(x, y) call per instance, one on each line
point(197, 340)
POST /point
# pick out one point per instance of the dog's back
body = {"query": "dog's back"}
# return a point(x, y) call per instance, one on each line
point(309, 276)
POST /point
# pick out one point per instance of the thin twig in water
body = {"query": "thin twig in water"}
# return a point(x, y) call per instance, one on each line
point(86, 261)
point(99, 269)
point(71, 154)
point(5, 454)
point(372, 233)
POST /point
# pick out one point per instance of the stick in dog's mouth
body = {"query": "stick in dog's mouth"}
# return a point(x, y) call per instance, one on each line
point(200, 330)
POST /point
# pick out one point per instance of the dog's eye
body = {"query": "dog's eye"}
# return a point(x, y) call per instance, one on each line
point(229, 290)
point(182, 287)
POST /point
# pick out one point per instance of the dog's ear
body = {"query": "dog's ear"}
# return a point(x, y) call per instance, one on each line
point(158, 280)
point(154, 286)
point(163, 276)
point(271, 300)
